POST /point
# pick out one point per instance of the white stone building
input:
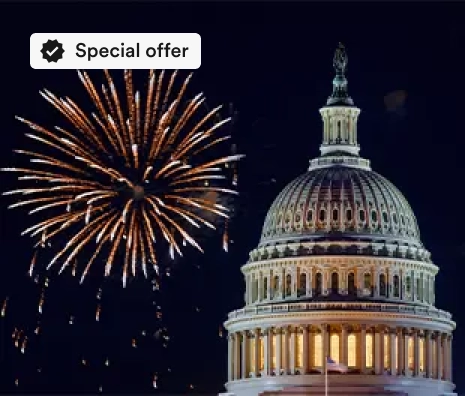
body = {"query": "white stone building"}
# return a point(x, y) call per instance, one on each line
point(340, 272)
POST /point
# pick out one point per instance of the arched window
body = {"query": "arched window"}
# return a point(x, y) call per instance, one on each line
point(335, 282)
point(408, 284)
point(302, 285)
point(318, 283)
point(275, 288)
point(396, 286)
point(419, 291)
point(255, 290)
point(367, 281)
point(317, 351)
point(351, 283)
point(288, 285)
point(265, 288)
point(352, 350)
point(334, 347)
point(382, 285)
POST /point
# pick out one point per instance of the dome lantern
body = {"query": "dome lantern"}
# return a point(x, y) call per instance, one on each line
point(340, 115)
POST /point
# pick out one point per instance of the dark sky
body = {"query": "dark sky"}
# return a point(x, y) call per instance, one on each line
point(273, 61)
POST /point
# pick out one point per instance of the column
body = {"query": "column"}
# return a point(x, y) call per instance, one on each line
point(292, 355)
point(343, 345)
point(260, 287)
point(245, 354)
point(363, 341)
point(279, 350)
point(439, 369)
point(393, 359)
point(237, 356)
point(400, 352)
point(429, 354)
point(416, 353)
point(451, 337)
point(378, 358)
point(405, 336)
point(324, 346)
point(256, 369)
point(286, 350)
point(446, 349)
point(305, 351)
point(266, 352)
point(230, 356)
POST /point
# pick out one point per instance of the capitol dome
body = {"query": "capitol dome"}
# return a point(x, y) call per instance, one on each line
point(340, 291)
point(340, 202)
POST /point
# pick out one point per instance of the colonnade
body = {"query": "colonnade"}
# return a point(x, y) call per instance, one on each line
point(377, 350)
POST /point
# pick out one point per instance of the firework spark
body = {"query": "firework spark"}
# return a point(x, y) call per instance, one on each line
point(125, 177)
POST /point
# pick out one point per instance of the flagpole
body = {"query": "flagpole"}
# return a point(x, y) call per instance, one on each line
point(326, 376)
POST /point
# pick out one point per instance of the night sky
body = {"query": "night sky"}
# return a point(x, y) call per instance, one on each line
point(273, 62)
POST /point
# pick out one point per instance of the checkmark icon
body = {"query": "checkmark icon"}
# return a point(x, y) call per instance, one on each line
point(52, 51)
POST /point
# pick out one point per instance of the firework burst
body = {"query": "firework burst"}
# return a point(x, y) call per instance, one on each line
point(126, 178)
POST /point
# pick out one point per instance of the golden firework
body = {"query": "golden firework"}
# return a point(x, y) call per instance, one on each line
point(125, 176)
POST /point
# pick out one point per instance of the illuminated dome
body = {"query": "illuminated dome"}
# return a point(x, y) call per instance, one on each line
point(340, 202)
point(340, 283)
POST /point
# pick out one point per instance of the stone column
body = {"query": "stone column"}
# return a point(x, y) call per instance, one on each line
point(286, 350)
point(400, 352)
point(405, 350)
point(260, 287)
point(266, 351)
point(245, 354)
point(256, 369)
point(451, 338)
point(270, 282)
point(230, 357)
point(324, 345)
point(292, 355)
point(393, 359)
point(363, 341)
point(446, 364)
point(429, 354)
point(305, 355)
point(343, 345)
point(416, 353)
point(279, 350)
point(378, 360)
point(439, 359)
point(237, 356)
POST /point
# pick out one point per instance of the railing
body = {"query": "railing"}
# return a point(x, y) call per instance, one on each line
point(335, 306)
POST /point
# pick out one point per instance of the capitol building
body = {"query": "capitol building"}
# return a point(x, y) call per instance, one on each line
point(340, 275)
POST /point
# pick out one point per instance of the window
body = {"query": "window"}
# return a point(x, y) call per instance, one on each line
point(265, 288)
point(410, 349)
point(302, 285)
point(369, 350)
point(252, 353)
point(374, 216)
point(408, 284)
point(349, 215)
point(367, 280)
point(322, 215)
point(299, 343)
point(317, 350)
point(396, 286)
point(351, 283)
point(387, 351)
point(288, 285)
point(335, 283)
point(273, 350)
point(382, 285)
point(385, 218)
point(361, 215)
point(352, 350)
point(422, 353)
point(275, 287)
point(318, 283)
point(310, 216)
point(335, 215)
point(334, 347)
